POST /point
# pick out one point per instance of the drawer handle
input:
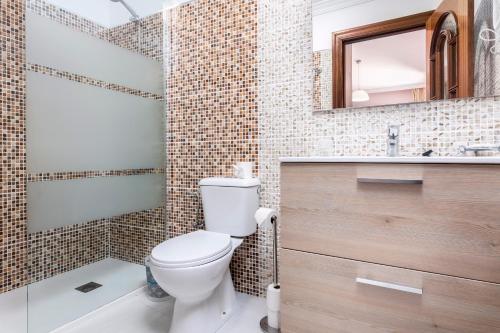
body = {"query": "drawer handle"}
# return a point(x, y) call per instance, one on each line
point(392, 286)
point(391, 181)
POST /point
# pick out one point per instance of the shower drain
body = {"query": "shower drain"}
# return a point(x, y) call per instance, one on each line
point(88, 287)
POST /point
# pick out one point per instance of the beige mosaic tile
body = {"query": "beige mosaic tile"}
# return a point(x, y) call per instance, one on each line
point(289, 127)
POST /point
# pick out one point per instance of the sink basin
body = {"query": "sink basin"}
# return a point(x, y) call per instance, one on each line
point(383, 159)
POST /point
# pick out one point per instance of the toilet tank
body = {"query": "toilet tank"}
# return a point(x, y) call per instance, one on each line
point(229, 205)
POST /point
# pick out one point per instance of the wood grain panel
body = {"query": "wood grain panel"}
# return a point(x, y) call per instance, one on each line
point(450, 224)
point(320, 295)
point(463, 10)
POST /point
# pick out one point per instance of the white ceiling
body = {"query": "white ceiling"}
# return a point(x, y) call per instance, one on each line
point(325, 6)
point(391, 63)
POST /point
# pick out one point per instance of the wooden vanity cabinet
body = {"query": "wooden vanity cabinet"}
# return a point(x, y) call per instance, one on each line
point(390, 247)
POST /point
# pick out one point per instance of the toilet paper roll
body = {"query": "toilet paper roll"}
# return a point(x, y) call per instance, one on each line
point(273, 319)
point(263, 217)
point(273, 305)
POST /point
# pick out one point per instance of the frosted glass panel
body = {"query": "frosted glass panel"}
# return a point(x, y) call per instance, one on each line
point(77, 127)
point(59, 203)
point(51, 44)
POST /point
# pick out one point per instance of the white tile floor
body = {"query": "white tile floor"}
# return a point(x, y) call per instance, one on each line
point(55, 305)
point(136, 313)
point(13, 311)
point(54, 302)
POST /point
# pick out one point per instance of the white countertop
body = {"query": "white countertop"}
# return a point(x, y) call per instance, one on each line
point(373, 159)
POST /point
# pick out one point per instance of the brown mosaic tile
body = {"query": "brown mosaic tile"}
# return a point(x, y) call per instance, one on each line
point(189, 161)
point(225, 115)
point(56, 251)
point(40, 177)
point(133, 244)
point(128, 237)
point(144, 36)
point(63, 249)
point(64, 17)
point(12, 146)
point(90, 81)
point(245, 267)
point(13, 272)
point(148, 219)
point(211, 85)
point(185, 208)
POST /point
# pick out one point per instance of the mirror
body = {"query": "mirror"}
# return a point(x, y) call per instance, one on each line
point(384, 52)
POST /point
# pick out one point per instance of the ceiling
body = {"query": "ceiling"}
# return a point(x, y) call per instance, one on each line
point(325, 6)
point(391, 63)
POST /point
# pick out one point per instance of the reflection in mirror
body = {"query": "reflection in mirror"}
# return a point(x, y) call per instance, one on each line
point(444, 74)
point(403, 51)
point(386, 73)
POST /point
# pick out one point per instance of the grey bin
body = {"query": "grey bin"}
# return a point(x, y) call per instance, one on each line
point(154, 291)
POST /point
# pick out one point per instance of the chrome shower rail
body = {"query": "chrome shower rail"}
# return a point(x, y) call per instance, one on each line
point(135, 17)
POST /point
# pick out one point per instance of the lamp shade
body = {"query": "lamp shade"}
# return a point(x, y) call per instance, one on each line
point(360, 96)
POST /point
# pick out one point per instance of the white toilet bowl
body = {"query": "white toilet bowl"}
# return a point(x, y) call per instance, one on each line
point(194, 268)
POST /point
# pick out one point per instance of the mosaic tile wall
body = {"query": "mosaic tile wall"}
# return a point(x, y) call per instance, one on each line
point(323, 81)
point(239, 88)
point(134, 235)
point(56, 251)
point(12, 146)
point(144, 37)
point(211, 75)
point(65, 17)
point(288, 127)
point(128, 237)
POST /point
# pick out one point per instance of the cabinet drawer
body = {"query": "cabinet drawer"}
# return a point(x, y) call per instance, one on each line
point(322, 294)
point(434, 218)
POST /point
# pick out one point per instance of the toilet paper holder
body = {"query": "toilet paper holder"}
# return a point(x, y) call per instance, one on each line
point(265, 218)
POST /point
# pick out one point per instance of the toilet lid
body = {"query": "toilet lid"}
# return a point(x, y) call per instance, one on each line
point(193, 249)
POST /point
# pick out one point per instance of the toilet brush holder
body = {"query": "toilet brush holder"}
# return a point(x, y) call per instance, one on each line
point(269, 323)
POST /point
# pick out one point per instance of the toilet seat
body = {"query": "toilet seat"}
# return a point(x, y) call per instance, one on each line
point(190, 250)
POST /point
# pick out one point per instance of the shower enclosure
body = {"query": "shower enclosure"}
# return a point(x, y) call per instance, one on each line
point(95, 153)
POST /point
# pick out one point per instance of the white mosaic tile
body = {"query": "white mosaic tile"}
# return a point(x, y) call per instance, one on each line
point(289, 127)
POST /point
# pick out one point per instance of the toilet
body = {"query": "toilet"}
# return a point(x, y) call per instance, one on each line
point(194, 268)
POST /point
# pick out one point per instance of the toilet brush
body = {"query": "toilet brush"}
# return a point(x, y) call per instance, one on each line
point(271, 322)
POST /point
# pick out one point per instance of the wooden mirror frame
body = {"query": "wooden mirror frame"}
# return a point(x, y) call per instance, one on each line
point(445, 39)
point(363, 33)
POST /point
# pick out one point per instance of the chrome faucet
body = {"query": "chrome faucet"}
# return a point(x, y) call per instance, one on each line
point(477, 148)
point(393, 140)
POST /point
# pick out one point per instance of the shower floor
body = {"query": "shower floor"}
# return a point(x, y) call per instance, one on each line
point(55, 302)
